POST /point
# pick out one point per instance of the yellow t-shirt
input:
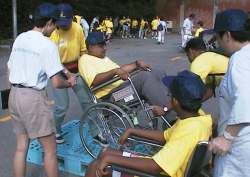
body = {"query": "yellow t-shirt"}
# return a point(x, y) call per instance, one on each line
point(134, 23)
point(209, 63)
point(109, 26)
point(142, 24)
point(198, 31)
point(71, 43)
point(122, 21)
point(181, 140)
point(128, 21)
point(89, 66)
point(154, 24)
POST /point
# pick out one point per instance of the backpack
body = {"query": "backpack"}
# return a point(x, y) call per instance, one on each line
point(160, 27)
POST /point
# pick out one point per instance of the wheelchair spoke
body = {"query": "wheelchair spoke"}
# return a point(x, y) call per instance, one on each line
point(104, 119)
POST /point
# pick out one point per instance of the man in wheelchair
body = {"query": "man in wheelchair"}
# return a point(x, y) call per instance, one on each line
point(179, 141)
point(96, 68)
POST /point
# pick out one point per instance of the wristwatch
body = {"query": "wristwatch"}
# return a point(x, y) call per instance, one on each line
point(165, 109)
point(228, 136)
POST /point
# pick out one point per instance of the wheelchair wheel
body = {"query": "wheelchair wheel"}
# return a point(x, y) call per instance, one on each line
point(104, 120)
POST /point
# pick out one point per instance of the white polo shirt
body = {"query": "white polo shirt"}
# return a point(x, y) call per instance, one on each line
point(234, 97)
point(33, 60)
point(187, 27)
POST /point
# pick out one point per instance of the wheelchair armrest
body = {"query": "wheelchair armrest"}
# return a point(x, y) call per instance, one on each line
point(114, 79)
point(133, 172)
point(145, 141)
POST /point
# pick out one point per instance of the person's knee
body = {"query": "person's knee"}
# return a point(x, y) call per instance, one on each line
point(49, 145)
point(22, 148)
point(22, 143)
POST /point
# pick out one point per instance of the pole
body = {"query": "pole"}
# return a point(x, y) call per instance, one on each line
point(14, 19)
point(215, 9)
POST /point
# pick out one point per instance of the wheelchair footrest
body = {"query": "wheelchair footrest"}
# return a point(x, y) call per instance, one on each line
point(72, 157)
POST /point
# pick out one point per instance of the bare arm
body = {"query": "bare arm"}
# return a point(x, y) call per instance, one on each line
point(103, 77)
point(122, 72)
point(58, 82)
point(208, 94)
point(129, 67)
point(234, 129)
point(155, 135)
point(137, 163)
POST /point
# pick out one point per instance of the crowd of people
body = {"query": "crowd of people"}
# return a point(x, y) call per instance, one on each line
point(58, 50)
point(126, 27)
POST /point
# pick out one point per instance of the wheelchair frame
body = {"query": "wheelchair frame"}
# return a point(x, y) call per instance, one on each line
point(116, 109)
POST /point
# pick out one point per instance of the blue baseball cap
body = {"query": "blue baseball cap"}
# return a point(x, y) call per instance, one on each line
point(95, 38)
point(230, 20)
point(45, 10)
point(65, 15)
point(187, 88)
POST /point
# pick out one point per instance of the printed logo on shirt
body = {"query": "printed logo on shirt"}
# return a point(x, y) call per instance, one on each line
point(62, 43)
point(62, 15)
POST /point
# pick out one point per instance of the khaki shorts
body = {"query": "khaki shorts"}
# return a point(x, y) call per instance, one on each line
point(30, 112)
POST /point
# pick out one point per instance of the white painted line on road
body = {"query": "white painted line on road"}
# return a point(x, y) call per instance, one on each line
point(5, 118)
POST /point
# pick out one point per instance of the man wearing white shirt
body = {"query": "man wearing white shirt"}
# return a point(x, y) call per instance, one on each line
point(34, 60)
point(95, 23)
point(85, 26)
point(162, 28)
point(187, 29)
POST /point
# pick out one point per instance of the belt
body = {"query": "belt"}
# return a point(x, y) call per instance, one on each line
point(20, 86)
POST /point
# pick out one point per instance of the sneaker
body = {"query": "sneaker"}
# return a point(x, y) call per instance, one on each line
point(100, 140)
point(59, 139)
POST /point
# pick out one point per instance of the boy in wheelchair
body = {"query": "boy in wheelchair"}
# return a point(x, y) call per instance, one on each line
point(96, 68)
point(178, 142)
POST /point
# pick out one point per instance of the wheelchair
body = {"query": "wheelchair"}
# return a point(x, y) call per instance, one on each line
point(196, 167)
point(110, 116)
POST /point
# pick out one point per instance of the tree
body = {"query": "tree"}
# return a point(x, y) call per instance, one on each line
point(87, 8)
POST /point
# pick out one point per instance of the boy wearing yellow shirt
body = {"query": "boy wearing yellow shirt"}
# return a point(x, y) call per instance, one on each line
point(141, 30)
point(199, 29)
point(204, 63)
point(154, 25)
point(179, 141)
point(134, 27)
point(71, 44)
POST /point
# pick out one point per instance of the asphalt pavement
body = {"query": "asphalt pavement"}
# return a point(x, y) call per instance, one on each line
point(168, 57)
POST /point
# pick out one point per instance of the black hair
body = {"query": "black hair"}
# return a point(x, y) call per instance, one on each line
point(41, 22)
point(192, 107)
point(192, 15)
point(74, 19)
point(195, 44)
point(240, 36)
point(200, 23)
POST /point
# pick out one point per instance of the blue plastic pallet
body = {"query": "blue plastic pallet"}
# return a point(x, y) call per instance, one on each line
point(72, 158)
